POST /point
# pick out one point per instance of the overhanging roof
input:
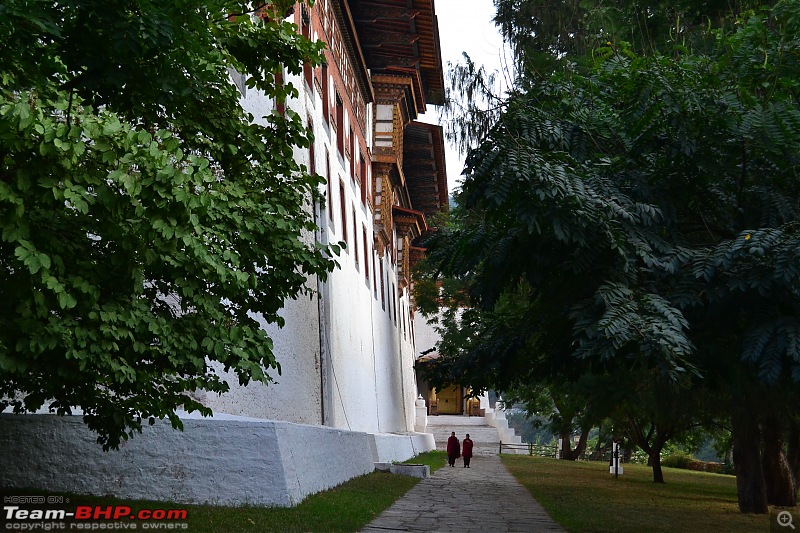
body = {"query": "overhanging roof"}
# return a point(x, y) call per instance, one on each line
point(424, 167)
point(402, 36)
point(411, 219)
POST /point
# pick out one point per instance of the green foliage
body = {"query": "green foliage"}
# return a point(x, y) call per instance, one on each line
point(613, 206)
point(146, 218)
point(679, 459)
point(628, 228)
point(551, 36)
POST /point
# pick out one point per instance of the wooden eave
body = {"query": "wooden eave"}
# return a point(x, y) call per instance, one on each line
point(424, 167)
point(403, 34)
point(430, 51)
point(410, 219)
point(344, 20)
point(416, 254)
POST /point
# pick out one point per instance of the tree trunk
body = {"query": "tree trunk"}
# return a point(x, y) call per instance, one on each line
point(566, 441)
point(628, 452)
point(655, 461)
point(778, 476)
point(566, 445)
point(750, 484)
point(793, 451)
point(581, 447)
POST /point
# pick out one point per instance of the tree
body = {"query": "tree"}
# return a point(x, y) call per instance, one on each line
point(652, 412)
point(641, 212)
point(546, 36)
point(147, 219)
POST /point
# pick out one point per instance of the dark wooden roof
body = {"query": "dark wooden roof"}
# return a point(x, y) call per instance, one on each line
point(424, 167)
point(402, 36)
point(410, 219)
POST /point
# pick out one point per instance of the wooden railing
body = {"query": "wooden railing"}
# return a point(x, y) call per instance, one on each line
point(532, 449)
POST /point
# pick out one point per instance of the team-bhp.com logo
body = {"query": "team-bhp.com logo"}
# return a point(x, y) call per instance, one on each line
point(25, 514)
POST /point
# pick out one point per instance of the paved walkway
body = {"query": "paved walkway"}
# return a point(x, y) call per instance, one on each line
point(484, 497)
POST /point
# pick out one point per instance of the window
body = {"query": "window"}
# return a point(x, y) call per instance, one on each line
point(343, 211)
point(305, 20)
point(383, 288)
point(352, 156)
point(326, 99)
point(366, 256)
point(389, 296)
point(340, 125)
point(375, 276)
point(384, 125)
point(394, 302)
point(312, 163)
point(365, 183)
point(355, 238)
point(330, 183)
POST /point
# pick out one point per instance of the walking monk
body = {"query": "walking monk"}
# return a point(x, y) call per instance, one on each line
point(453, 449)
point(466, 451)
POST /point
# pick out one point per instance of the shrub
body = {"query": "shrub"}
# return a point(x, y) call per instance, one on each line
point(679, 460)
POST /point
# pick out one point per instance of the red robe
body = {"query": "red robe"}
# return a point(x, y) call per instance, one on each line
point(467, 449)
point(453, 447)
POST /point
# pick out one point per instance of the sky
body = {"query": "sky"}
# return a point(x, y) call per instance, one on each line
point(464, 26)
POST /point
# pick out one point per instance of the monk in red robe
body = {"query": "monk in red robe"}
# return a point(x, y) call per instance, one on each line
point(466, 450)
point(453, 449)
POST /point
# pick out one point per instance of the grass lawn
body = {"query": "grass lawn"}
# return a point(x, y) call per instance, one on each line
point(583, 496)
point(434, 459)
point(346, 508)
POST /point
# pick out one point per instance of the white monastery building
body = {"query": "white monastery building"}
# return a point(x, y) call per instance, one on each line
point(346, 396)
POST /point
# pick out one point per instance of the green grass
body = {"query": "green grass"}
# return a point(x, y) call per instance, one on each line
point(434, 459)
point(583, 496)
point(346, 508)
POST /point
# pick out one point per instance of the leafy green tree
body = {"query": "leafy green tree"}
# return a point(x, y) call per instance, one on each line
point(147, 219)
point(641, 213)
point(653, 412)
point(546, 36)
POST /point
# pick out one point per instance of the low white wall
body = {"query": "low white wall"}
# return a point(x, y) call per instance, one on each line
point(389, 447)
point(225, 460)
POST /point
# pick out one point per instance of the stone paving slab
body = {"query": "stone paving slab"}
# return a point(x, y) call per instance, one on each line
point(482, 498)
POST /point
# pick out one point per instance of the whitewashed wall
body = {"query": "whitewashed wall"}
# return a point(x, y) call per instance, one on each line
point(356, 374)
point(426, 337)
point(297, 393)
point(408, 356)
point(228, 461)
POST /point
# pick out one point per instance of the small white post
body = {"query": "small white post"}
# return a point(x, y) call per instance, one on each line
point(421, 415)
point(615, 468)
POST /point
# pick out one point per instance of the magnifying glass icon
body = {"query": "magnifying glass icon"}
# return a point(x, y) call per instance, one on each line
point(785, 519)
